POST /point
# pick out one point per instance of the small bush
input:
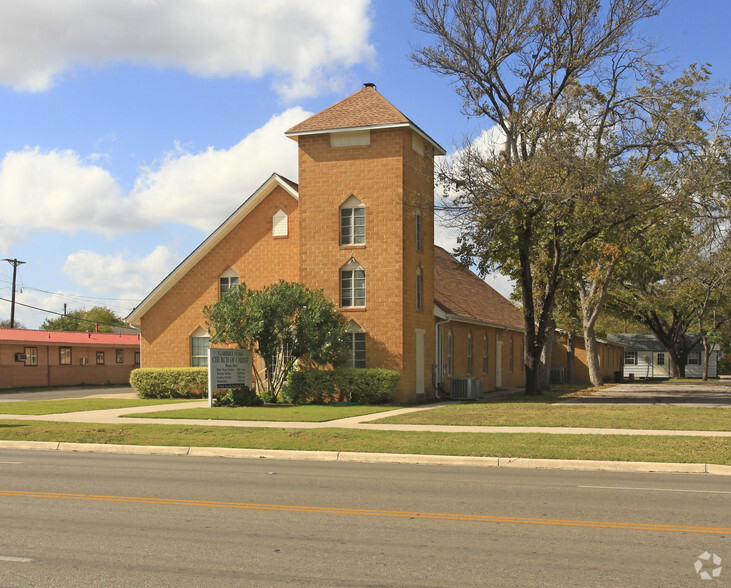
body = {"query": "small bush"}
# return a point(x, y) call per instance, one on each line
point(367, 386)
point(191, 382)
point(243, 396)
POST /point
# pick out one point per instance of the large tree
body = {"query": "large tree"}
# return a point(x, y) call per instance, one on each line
point(572, 130)
point(98, 318)
point(284, 322)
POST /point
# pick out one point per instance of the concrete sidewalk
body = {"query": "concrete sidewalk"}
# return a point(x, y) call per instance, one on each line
point(364, 422)
point(116, 416)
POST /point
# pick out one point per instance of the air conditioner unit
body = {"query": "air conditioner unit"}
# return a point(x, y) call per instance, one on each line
point(83, 361)
point(20, 357)
point(466, 388)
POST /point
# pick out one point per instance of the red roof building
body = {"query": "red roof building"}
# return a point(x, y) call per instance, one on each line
point(64, 358)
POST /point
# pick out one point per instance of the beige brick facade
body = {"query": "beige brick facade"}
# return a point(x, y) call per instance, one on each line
point(364, 148)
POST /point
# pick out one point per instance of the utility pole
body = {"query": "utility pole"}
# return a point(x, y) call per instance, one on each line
point(15, 263)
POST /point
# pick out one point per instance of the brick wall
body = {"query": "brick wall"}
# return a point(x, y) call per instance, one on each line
point(250, 250)
point(392, 181)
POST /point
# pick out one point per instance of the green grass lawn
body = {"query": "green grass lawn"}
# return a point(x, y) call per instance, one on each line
point(278, 412)
point(78, 405)
point(598, 447)
point(541, 414)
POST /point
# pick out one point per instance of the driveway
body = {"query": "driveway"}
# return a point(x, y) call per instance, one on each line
point(715, 393)
point(71, 392)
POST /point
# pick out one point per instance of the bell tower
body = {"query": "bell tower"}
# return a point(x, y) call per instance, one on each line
point(366, 206)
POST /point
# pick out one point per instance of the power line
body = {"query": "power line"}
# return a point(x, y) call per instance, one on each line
point(61, 314)
point(87, 298)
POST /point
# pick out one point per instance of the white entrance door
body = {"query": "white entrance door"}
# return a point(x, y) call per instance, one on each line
point(420, 361)
point(660, 365)
point(499, 364)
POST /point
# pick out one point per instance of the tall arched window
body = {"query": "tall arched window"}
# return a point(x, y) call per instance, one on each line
point(200, 342)
point(228, 279)
point(419, 288)
point(355, 346)
point(469, 354)
point(352, 222)
point(484, 354)
point(352, 285)
point(450, 354)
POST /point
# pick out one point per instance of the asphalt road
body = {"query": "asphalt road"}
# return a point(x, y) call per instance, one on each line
point(122, 520)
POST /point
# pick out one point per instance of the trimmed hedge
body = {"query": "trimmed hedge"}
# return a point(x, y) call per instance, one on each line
point(189, 382)
point(366, 386)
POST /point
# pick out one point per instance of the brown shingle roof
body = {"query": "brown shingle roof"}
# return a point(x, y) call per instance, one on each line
point(460, 292)
point(365, 108)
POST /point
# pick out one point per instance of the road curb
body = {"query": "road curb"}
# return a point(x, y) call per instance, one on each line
point(363, 457)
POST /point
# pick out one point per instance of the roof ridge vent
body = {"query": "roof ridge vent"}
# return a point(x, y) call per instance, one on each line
point(369, 85)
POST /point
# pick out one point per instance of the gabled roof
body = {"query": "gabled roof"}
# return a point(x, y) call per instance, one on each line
point(646, 341)
point(366, 109)
point(67, 338)
point(213, 239)
point(462, 295)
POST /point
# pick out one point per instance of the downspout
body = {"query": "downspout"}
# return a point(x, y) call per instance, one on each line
point(437, 362)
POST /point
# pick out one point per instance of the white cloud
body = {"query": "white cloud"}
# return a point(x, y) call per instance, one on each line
point(202, 189)
point(62, 192)
point(305, 45)
point(55, 191)
point(128, 277)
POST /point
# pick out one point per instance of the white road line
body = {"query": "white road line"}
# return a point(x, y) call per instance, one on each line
point(15, 559)
point(657, 489)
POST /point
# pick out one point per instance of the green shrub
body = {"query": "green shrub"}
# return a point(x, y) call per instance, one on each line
point(243, 396)
point(367, 386)
point(190, 382)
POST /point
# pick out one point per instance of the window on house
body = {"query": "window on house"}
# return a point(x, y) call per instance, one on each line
point(120, 355)
point(511, 356)
point(521, 359)
point(418, 232)
point(280, 224)
point(99, 358)
point(630, 358)
point(64, 355)
point(138, 358)
point(352, 222)
point(694, 358)
point(352, 285)
point(450, 354)
point(419, 288)
point(200, 343)
point(469, 354)
point(484, 354)
point(31, 356)
point(355, 346)
point(228, 280)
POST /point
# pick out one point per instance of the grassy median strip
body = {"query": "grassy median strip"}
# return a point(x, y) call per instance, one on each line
point(79, 405)
point(519, 414)
point(597, 447)
point(277, 413)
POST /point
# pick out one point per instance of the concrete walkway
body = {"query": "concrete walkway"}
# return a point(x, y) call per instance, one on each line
point(365, 422)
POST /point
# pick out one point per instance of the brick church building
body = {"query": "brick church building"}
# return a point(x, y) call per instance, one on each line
point(359, 225)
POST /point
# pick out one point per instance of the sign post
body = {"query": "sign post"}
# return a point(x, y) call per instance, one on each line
point(228, 368)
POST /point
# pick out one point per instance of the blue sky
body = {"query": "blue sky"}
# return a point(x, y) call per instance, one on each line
point(131, 129)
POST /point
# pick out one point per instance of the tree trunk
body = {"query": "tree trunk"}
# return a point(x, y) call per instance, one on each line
point(571, 360)
point(707, 350)
point(546, 355)
point(592, 356)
